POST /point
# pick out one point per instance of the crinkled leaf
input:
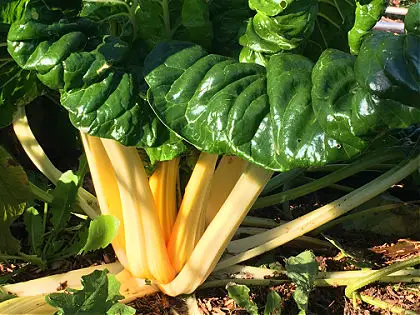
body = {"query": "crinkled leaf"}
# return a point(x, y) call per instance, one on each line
point(110, 17)
point(302, 270)
point(368, 12)
point(273, 304)
point(35, 229)
point(347, 110)
point(99, 78)
point(102, 230)
point(17, 86)
point(222, 106)
point(240, 294)
point(270, 7)
point(14, 193)
point(99, 295)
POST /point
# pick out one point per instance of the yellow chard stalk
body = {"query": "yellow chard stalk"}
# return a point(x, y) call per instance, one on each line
point(190, 221)
point(211, 245)
point(225, 177)
point(106, 187)
point(163, 186)
point(145, 246)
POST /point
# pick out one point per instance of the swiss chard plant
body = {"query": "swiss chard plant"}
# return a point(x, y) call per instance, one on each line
point(162, 75)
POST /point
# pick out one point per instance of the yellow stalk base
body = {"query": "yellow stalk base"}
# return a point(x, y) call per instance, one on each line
point(106, 187)
point(190, 221)
point(163, 186)
point(145, 246)
point(210, 247)
point(225, 177)
point(133, 288)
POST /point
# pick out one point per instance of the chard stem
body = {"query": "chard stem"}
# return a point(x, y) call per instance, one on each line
point(40, 193)
point(325, 181)
point(225, 177)
point(258, 244)
point(86, 201)
point(145, 247)
point(385, 306)
point(163, 185)
point(106, 187)
point(379, 274)
point(211, 245)
point(190, 221)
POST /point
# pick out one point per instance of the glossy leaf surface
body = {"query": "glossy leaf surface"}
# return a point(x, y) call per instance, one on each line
point(389, 67)
point(100, 87)
point(284, 116)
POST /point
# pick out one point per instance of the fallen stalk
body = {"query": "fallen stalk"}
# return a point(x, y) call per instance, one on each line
point(379, 274)
point(258, 244)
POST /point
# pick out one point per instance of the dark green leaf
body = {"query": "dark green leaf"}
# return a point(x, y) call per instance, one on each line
point(240, 294)
point(368, 12)
point(195, 19)
point(14, 193)
point(229, 22)
point(172, 148)
point(348, 111)
point(333, 21)
point(100, 87)
point(17, 88)
point(302, 270)
point(412, 19)
point(99, 295)
point(287, 30)
point(34, 227)
point(273, 304)
point(388, 66)
point(102, 231)
point(235, 107)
